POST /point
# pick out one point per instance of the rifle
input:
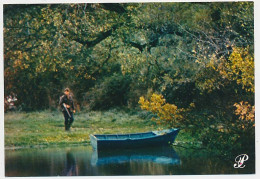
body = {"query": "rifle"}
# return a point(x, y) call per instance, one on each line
point(66, 110)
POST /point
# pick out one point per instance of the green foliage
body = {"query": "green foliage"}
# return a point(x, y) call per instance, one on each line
point(110, 92)
point(49, 47)
point(218, 131)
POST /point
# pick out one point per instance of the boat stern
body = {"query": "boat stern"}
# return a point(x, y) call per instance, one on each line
point(93, 141)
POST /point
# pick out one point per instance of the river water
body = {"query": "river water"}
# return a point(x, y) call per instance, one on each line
point(83, 161)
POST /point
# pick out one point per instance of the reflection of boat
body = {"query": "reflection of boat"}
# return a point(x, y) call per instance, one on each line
point(117, 141)
point(160, 155)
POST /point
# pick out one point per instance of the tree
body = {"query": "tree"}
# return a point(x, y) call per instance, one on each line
point(174, 49)
point(49, 47)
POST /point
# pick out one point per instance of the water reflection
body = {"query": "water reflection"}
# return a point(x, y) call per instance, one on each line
point(71, 168)
point(83, 161)
point(159, 155)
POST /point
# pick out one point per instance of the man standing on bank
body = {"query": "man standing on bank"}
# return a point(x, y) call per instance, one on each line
point(67, 107)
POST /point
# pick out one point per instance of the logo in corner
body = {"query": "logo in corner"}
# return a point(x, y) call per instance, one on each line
point(240, 159)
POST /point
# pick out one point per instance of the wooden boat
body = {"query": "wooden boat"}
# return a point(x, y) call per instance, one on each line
point(135, 140)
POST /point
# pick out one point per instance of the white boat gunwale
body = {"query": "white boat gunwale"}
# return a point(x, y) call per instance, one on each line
point(155, 135)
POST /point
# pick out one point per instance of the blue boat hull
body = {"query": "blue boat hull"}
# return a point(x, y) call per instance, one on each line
point(137, 140)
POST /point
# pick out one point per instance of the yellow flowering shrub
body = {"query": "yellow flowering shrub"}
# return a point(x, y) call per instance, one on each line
point(246, 114)
point(238, 67)
point(242, 68)
point(168, 114)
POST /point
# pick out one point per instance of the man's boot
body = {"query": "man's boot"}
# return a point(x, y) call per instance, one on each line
point(67, 127)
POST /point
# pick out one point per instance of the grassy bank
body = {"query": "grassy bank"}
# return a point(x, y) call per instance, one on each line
point(47, 127)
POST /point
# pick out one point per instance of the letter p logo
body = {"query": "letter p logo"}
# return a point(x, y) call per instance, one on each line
point(240, 159)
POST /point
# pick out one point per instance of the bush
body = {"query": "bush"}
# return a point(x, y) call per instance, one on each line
point(222, 132)
point(112, 91)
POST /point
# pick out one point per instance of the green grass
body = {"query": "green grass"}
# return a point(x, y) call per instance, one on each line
point(47, 127)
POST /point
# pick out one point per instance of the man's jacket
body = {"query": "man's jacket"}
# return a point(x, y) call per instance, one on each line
point(67, 101)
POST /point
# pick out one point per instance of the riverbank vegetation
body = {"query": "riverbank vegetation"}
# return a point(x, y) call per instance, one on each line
point(193, 62)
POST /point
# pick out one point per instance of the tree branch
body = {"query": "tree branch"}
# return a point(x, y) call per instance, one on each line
point(136, 45)
point(99, 37)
